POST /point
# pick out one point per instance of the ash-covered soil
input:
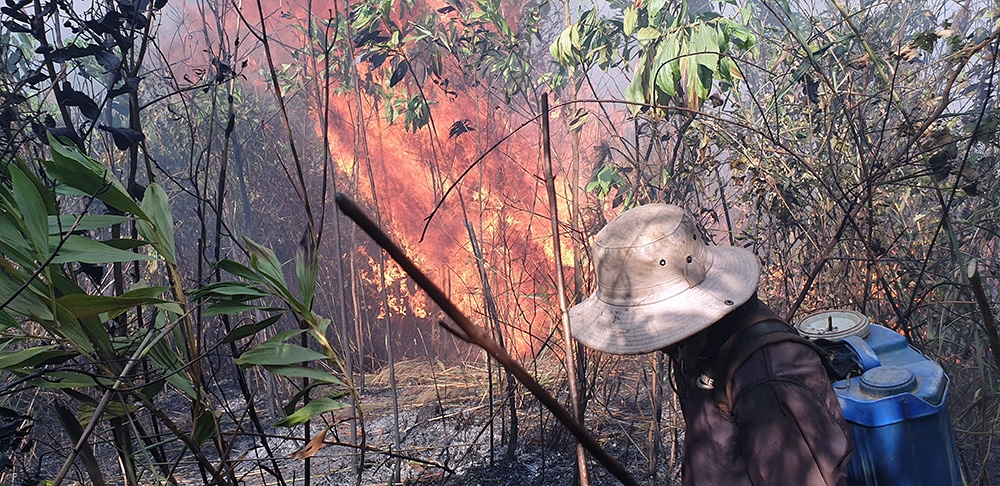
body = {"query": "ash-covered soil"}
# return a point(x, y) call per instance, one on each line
point(454, 427)
point(447, 437)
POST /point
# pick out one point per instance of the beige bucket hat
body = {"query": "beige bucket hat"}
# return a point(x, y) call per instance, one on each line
point(659, 282)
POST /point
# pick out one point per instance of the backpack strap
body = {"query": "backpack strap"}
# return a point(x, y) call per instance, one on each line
point(747, 341)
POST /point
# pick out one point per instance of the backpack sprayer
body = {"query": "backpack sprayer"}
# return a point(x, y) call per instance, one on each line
point(897, 406)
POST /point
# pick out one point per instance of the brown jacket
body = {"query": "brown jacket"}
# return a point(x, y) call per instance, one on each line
point(785, 428)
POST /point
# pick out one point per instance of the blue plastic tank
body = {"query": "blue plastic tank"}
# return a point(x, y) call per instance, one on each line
point(898, 414)
point(897, 410)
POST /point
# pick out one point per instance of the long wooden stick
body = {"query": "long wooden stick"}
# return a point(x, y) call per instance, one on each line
point(550, 188)
point(469, 332)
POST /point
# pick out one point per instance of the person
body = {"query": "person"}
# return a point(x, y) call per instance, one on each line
point(771, 419)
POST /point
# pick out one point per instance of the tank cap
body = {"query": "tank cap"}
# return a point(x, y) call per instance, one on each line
point(834, 325)
point(886, 381)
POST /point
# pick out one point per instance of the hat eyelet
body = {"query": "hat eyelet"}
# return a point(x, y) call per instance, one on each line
point(663, 262)
point(728, 302)
point(689, 259)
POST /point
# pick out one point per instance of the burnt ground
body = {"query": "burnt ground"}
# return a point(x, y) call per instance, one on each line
point(445, 433)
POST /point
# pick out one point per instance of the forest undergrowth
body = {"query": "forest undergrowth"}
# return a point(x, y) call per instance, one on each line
point(182, 302)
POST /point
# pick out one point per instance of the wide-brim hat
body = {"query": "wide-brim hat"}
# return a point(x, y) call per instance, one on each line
point(659, 282)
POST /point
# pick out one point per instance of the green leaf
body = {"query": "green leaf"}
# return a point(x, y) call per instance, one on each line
point(24, 357)
point(655, 6)
point(630, 19)
point(249, 329)
point(310, 410)
point(71, 167)
point(13, 245)
point(307, 267)
point(167, 363)
point(240, 270)
point(230, 291)
point(229, 307)
point(638, 87)
point(647, 34)
point(743, 36)
point(666, 64)
point(158, 226)
point(85, 334)
point(84, 305)
point(284, 335)
point(62, 223)
point(274, 353)
point(204, 427)
point(68, 379)
point(266, 263)
point(303, 372)
point(27, 303)
point(32, 208)
point(706, 46)
point(6, 321)
point(81, 249)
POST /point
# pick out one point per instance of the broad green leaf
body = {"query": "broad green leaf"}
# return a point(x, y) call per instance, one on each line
point(204, 427)
point(728, 70)
point(169, 365)
point(706, 46)
point(249, 329)
point(274, 353)
point(26, 302)
point(284, 335)
point(310, 410)
point(6, 321)
point(81, 249)
point(303, 372)
point(124, 243)
point(74, 169)
point(158, 226)
point(62, 223)
point(13, 245)
point(264, 261)
point(150, 292)
point(690, 80)
point(114, 409)
point(654, 7)
point(743, 36)
point(666, 65)
point(230, 291)
point(84, 305)
point(69, 379)
point(630, 19)
point(171, 307)
point(85, 334)
point(17, 359)
point(48, 198)
point(307, 267)
point(229, 307)
point(32, 208)
point(647, 34)
point(240, 270)
point(637, 90)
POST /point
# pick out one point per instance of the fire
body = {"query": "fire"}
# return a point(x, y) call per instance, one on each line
point(405, 175)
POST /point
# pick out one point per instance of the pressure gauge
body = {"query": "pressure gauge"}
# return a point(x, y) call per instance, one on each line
point(834, 325)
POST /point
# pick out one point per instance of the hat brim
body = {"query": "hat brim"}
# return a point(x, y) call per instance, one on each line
point(637, 329)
